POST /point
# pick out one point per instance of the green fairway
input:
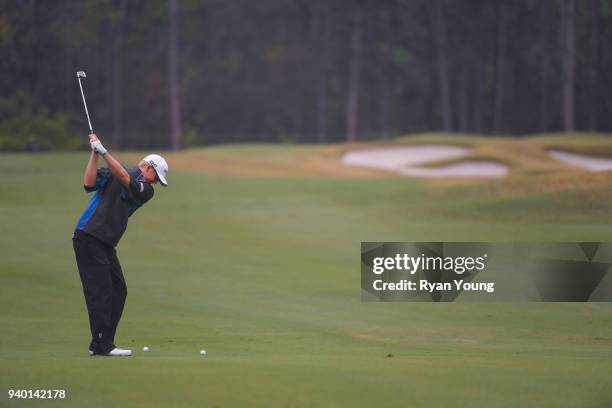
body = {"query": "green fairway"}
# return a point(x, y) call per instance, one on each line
point(263, 272)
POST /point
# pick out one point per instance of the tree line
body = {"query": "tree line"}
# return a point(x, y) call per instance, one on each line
point(178, 73)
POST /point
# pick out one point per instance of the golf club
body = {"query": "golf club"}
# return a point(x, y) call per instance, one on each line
point(81, 74)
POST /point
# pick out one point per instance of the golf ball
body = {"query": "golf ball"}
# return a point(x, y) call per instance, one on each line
point(202, 353)
point(145, 348)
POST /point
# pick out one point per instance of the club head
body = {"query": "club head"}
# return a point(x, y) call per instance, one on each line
point(81, 74)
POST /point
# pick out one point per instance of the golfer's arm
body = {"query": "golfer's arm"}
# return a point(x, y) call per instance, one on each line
point(91, 172)
point(117, 169)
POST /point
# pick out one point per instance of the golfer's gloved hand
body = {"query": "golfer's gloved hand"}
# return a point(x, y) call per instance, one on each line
point(96, 145)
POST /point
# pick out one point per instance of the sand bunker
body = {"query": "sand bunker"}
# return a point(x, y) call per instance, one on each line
point(405, 159)
point(467, 168)
point(396, 158)
point(589, 163)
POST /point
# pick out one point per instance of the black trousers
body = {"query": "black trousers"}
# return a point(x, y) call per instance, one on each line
point(104, 288)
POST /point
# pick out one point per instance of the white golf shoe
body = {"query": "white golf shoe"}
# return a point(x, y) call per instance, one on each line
point(117, 352)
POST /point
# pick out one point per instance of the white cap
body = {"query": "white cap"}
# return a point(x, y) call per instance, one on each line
point(160, 166)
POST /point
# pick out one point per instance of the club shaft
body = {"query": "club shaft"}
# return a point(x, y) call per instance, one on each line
point(85, 104)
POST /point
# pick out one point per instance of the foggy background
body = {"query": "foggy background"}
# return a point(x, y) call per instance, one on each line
point(179, 73)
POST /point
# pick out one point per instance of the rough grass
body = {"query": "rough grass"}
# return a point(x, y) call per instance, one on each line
point(262, 271)
point(531, 168)
point(266, 160)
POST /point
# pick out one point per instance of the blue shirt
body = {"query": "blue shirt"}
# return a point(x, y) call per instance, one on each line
point(106, 215)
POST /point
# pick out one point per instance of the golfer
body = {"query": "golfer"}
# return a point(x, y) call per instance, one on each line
point(118, 193)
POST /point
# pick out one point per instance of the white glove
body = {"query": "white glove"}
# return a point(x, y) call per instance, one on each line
point(97, 146)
